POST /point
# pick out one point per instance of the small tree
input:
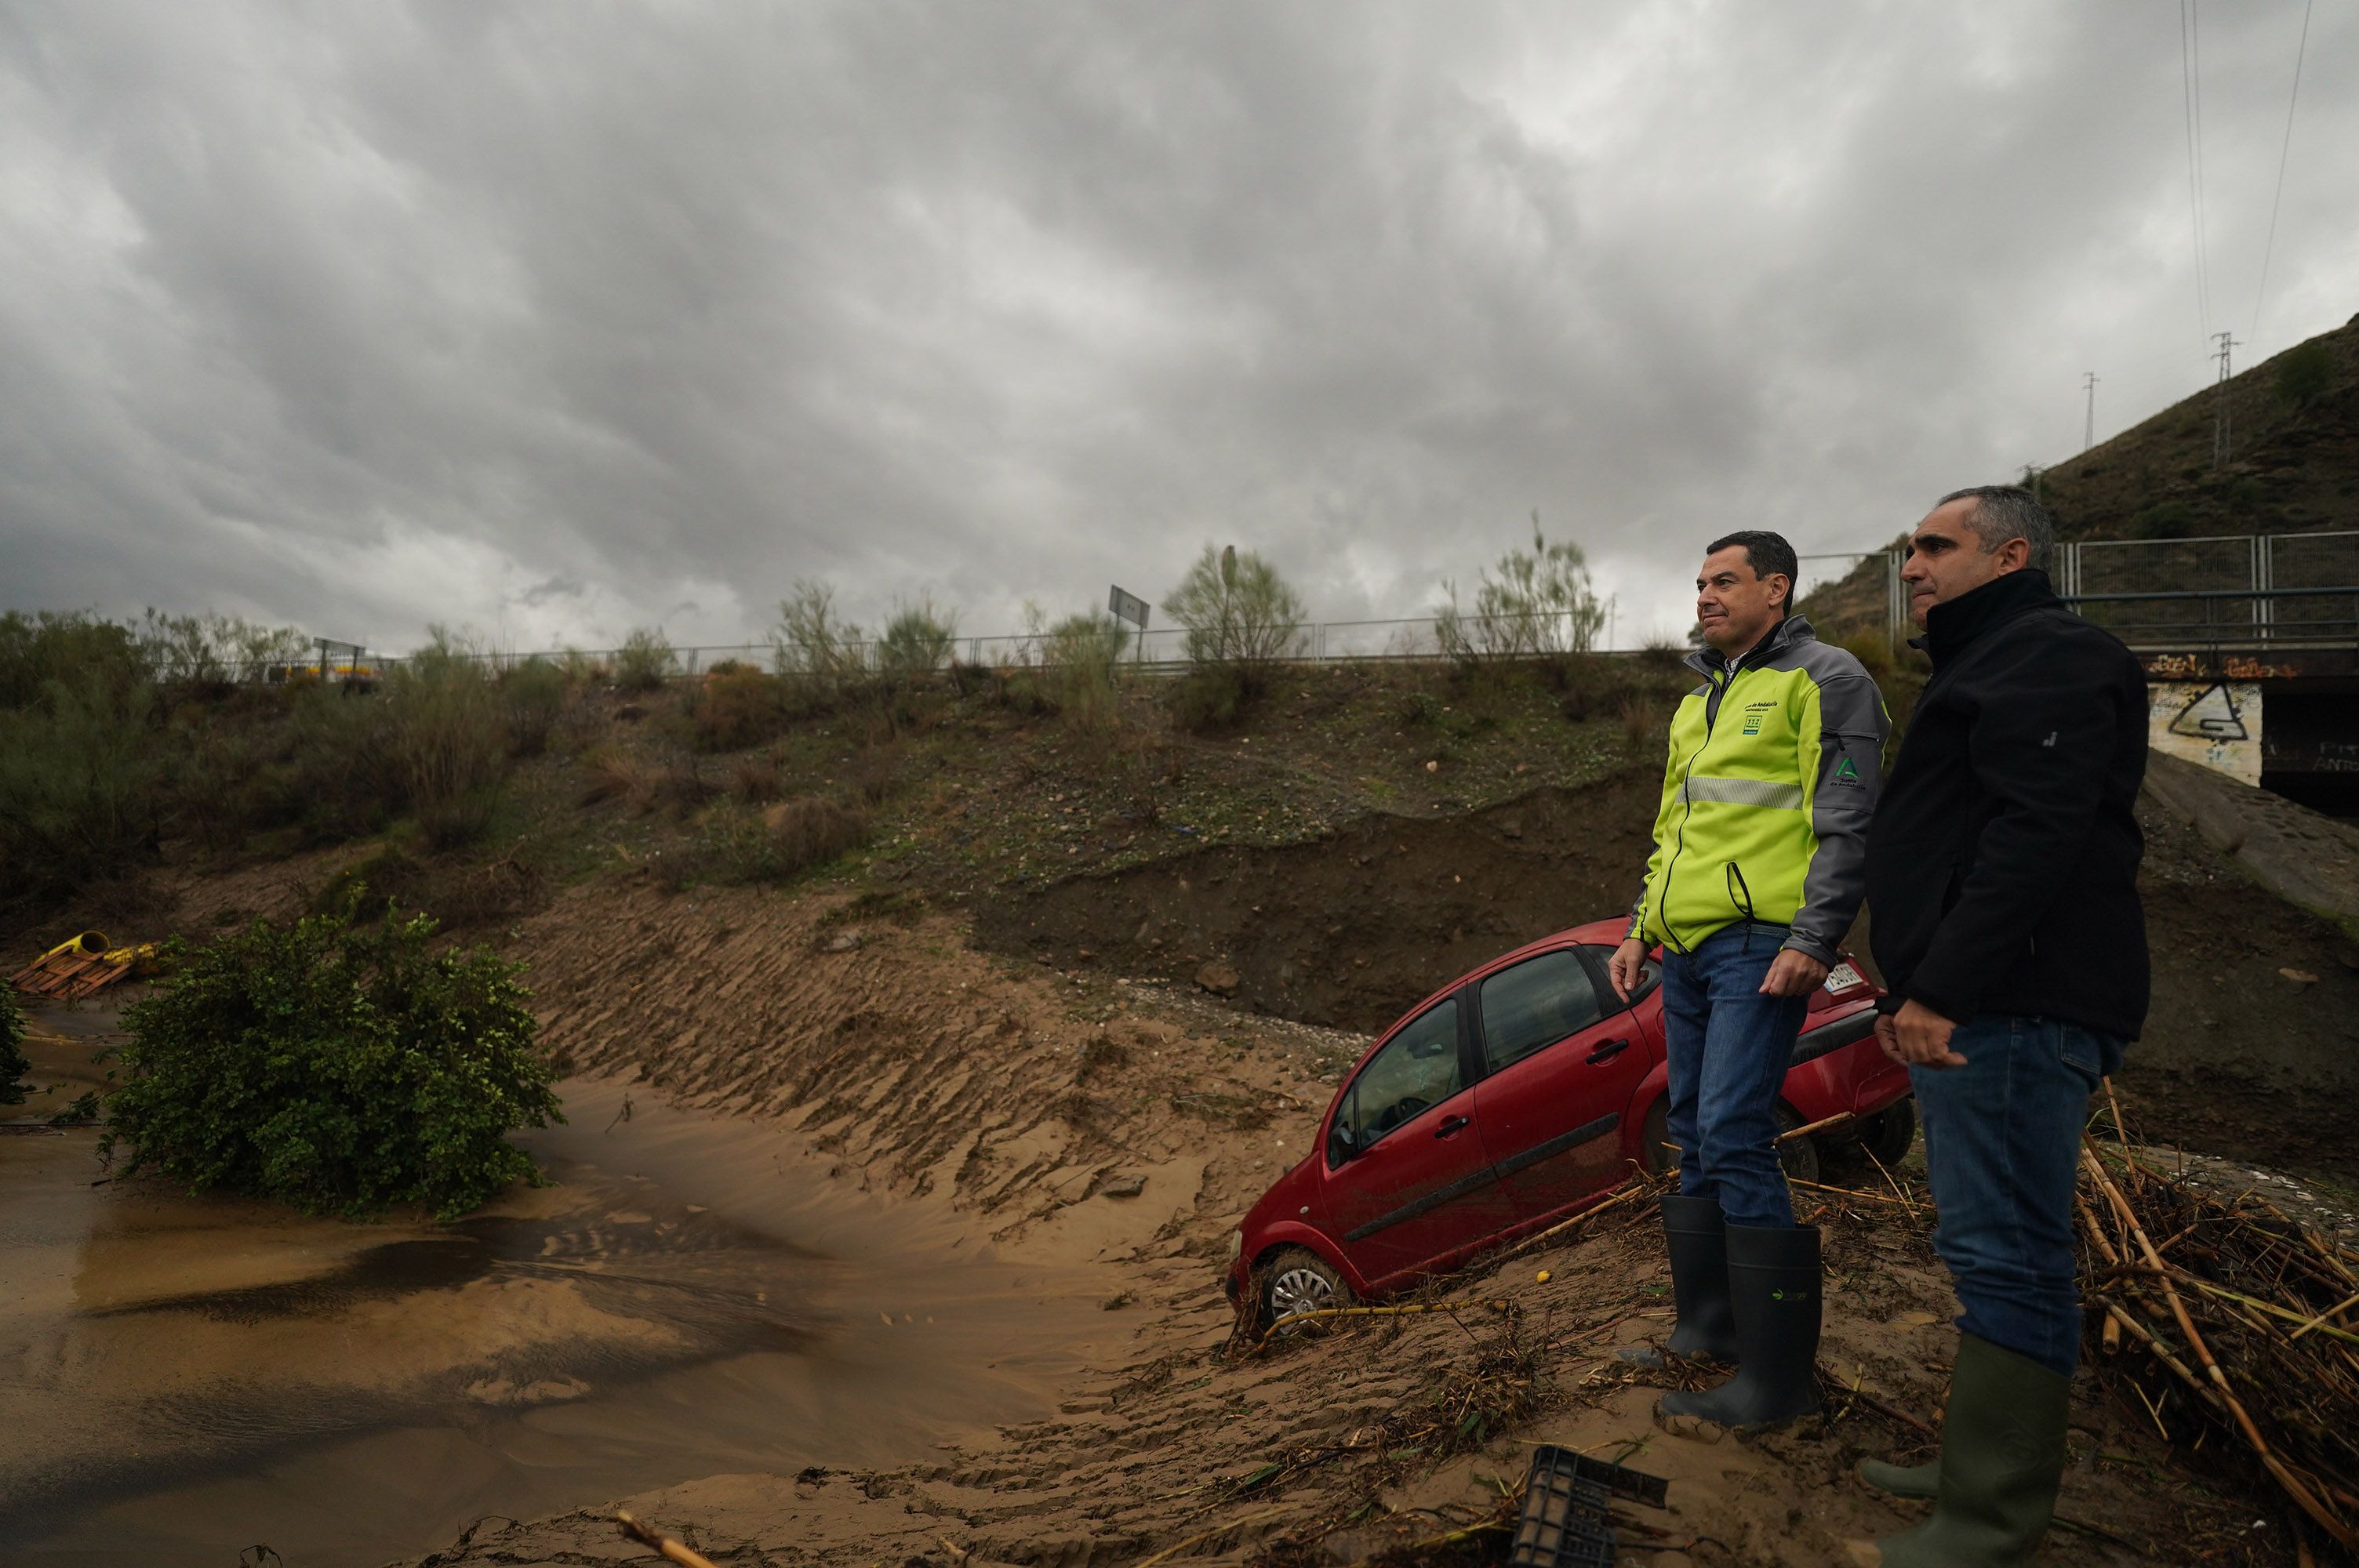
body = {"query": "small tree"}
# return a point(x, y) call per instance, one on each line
point(811, 642)
point(339, 1070)
point(1539, 603)
point(2304, 374)
point(1241, 616)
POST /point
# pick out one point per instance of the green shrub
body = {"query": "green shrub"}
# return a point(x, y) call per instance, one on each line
point(2165, 520)
point(78, 777)
point(916, 642)
point(38, 649)
point(2304, 374)
point(334, 1068)
point(338, 777)
point(1242, 618)
point(1083, 654)
point(737, 708)
point(1208, 699)
point(783, 841)
point(1539, 603)
point(12, 1065)
point(534, 692)
point(448, 740)
point(646, 660)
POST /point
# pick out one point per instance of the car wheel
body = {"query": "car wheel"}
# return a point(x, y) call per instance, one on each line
point(1890, 1132)
point(1299, 1281)
point(1798, 1155)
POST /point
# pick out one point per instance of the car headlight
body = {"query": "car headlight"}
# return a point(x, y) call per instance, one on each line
point(1236, 1244)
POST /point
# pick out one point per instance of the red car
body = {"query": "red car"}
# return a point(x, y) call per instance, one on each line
point(1510, 1098)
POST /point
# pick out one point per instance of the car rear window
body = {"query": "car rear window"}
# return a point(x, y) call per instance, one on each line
point(1536, 1004)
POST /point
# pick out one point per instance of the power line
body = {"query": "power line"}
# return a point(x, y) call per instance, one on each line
point(2291, 99)
point(2190, 70)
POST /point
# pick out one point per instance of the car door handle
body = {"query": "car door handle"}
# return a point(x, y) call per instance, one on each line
point(1607, 1051)
point(1449, 1125)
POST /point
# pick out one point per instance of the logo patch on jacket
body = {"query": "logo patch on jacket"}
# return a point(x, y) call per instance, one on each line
point(1754, 713)
point(1845, 773)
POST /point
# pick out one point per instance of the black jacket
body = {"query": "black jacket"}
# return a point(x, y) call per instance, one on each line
point(2002, 865)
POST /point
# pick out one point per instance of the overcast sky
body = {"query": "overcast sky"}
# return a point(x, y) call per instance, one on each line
point(554, 320)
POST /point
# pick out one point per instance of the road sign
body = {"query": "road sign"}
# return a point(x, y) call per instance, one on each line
point(1128, 607)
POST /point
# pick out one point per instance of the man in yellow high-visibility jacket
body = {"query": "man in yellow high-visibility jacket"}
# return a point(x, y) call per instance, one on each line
point(1759, 865)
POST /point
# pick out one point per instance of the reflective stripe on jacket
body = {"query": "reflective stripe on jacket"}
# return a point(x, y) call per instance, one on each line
point(1772, 777)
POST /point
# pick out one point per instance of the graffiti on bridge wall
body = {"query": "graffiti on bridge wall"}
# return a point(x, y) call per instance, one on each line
point(2216, 723)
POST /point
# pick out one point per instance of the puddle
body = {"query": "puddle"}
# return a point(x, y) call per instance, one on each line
point(187, 1377)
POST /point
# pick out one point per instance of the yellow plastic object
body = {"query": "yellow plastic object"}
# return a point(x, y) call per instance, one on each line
point(142, 958)
point(88, 942)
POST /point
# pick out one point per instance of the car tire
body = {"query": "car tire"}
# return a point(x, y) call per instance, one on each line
point(1296, 1280)
point(1891, 1132)
point(1799, 1157)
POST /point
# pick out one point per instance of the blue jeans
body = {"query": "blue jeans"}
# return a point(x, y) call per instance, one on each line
point(2003, 1148)
point(1726, 1049)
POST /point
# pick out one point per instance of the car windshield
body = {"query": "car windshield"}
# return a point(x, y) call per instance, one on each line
point(1417, 1068)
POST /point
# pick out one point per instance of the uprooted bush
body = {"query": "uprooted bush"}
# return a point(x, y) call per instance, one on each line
point(336, 1069)
point(782, 840)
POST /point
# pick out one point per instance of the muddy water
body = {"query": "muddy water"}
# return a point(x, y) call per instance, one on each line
point(182, 1377)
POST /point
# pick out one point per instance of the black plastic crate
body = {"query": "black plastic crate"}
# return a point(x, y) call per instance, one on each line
point(1563, 1523)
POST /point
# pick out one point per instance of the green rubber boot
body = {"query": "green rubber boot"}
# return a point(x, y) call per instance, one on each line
point(2002, 1460)
point(1921, 1482)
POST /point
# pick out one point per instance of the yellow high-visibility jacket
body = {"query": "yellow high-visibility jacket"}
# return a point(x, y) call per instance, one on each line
point(1775, 765)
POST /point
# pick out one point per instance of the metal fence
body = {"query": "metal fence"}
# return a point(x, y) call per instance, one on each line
point(2233, 591)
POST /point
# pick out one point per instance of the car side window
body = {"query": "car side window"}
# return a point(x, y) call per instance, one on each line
point(1536, 1004)
point(1417, 1068)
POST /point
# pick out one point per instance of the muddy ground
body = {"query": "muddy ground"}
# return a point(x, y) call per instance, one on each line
point(1087, 1137)
point(2239, 1058)
point(1012, 1098)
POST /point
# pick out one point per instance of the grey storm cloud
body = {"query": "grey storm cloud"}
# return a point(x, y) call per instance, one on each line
point(553, 320)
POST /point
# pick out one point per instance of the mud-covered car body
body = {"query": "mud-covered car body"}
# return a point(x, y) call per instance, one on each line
point(1514, 1097)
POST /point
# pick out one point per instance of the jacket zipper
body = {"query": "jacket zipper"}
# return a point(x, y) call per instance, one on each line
point(1711, 717)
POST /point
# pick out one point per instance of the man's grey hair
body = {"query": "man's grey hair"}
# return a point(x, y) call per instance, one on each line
point(2003, 511)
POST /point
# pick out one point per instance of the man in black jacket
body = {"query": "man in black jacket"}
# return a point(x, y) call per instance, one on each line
point(2002, 882)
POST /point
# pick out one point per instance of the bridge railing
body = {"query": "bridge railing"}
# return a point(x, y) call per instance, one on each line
point(2244, 589)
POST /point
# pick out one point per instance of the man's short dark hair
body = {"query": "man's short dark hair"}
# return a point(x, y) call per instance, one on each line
point(1766, 553)
point(2003, 511)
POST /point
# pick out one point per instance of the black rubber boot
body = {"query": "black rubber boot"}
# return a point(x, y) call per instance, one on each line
point(1774, 1285)
point(2002, 1460)
point(1696, 1237)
